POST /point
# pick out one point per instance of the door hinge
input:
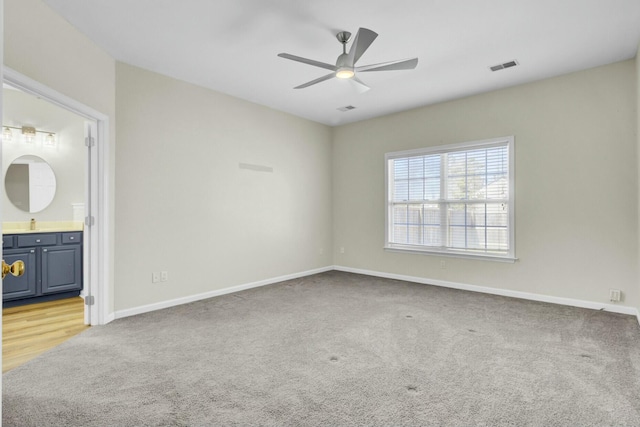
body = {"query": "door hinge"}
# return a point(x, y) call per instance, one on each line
point(89, 300)
point(89, 141)
point(89, 221)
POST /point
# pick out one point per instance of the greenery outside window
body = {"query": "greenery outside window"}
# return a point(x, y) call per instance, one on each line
point(455, 199)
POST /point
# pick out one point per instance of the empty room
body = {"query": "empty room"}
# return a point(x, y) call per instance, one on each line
point(281, 213)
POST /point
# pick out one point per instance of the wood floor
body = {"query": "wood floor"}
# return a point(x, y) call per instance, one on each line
point(30, 330)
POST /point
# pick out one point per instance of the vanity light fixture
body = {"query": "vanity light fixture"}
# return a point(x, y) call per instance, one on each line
point(7, 135)
point(29, 133)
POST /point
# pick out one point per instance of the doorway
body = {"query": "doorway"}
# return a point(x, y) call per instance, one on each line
point(45, 185)
point(90, 214)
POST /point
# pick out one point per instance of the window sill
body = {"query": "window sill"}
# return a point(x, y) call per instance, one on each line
point(452, 254)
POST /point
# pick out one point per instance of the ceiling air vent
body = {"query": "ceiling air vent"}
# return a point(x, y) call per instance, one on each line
point(503, 66)
point(347, 108)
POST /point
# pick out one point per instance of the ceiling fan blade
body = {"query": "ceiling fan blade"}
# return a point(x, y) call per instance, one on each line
point(318, 80)
point(361, 43)
point(308, 61)
point(403, 64)
point(358, 85)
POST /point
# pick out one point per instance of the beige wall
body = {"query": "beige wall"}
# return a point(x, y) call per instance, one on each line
point(184, 205)
point(40, 44)
point(43, 46)
point(576, 185)
point(637, 64)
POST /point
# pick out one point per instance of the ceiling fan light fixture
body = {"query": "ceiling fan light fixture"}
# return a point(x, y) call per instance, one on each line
point(345, 67)
point(345, 73)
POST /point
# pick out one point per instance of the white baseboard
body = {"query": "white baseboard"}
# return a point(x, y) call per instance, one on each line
point(497, 291)
point(110, 318)
point(435, 282)
point(192, 298)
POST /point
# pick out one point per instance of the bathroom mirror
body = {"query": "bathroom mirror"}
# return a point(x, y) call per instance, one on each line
point(30, 183)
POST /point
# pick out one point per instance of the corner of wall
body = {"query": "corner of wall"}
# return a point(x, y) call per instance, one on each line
point(637, 81)
point(334, 233)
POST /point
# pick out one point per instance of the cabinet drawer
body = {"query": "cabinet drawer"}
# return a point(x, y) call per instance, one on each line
point(37, 240)
point(71, 238)
point(7, 242)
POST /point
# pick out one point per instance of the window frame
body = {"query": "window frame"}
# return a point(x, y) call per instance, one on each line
point(510, 256)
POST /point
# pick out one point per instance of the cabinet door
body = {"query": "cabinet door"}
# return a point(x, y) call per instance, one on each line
point(25, 285)
point(61, 269)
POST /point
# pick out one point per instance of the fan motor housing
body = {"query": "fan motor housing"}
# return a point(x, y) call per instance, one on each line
point(342, 60)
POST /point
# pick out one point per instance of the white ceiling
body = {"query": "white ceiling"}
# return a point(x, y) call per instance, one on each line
point(231, 45)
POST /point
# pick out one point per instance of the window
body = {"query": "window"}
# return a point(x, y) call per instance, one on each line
point(454, 199)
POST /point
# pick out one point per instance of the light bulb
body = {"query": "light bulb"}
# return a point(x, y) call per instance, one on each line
point(29, 133)
point(345, 73)
point(7, 135)
point(50, 140)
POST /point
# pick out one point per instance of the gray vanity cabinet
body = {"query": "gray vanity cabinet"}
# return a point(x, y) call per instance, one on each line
point(61, 269)
point(53, 267)
point(25, 285)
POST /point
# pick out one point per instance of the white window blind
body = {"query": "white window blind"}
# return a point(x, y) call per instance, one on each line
point(455, 199)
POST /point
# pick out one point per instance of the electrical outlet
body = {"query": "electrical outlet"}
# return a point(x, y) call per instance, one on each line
point(164, 276)
point(321, 251)
point(443, 265)
point(615, 295)
point(155, 277)
point(341, 249)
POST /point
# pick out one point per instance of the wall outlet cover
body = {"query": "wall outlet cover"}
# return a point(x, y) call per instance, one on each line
point(615, 295)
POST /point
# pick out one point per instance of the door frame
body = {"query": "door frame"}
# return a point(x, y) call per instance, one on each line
point(96, 234)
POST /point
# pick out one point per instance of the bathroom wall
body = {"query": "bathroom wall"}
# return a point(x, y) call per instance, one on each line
point(66, 158)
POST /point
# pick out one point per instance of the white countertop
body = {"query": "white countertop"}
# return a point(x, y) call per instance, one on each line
point(23, 227)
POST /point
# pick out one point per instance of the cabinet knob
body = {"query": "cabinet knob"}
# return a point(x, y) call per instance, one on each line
point(37, 240)
point(71, 238)
point(44, 250)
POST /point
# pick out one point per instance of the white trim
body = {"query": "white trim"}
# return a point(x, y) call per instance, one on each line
point(434, 282)
point(99, 235)
point(100, 310)
point(497, 291)
point(403, 249)
point(192, 298)
point(110, 318)
point(440, 149)
point(444, 200)
point(36, 88)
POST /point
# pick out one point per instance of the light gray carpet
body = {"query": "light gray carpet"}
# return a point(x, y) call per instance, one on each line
point(339, 349)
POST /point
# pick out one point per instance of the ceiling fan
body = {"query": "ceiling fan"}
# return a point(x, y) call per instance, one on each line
point(345, 67)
